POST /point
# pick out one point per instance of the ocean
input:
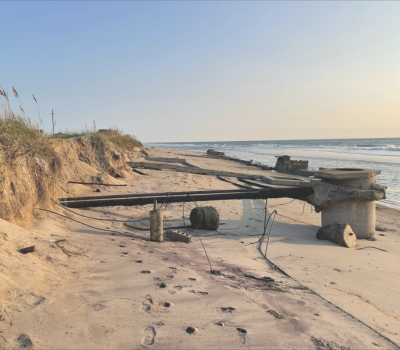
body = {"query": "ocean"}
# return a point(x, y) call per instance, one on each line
point(380, 153)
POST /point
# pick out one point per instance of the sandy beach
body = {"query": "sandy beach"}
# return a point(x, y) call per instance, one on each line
point(89, 289)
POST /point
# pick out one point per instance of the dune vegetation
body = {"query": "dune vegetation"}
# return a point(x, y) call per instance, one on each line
point(33, 167)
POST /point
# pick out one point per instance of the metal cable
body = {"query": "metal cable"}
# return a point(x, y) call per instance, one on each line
point(197, 231)
point(183, 214)
point(270, 230)
point(277, 205)
point(165, 200)
point(79, 222)
point(265, 227)
point(192, 199)
point(331, 303)
point(205, 251)
point(259, 241)
point(319, 295)
point(304, 206)
point(372, 248)
point(297, 220)
point(91, 217)
point(166, 204)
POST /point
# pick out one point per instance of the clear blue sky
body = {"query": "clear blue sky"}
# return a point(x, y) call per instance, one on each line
point(200, 71)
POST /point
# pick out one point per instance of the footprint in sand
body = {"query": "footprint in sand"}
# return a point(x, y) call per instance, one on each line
point(197, 292)
point(281, 316)
point(175, 289)
point(151, 307)
point(166, 304)
point(149, 335)
point(98, 307)
point(25, 341)
point(146, 305)
point(39, 301)
point(228, 309)
point(242, 334)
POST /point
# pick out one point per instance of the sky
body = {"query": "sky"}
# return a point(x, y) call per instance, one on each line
point(169, 71)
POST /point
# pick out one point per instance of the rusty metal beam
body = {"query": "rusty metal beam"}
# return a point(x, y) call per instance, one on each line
point(92, 183)
point(135, 195)
point(253, 183)
point(296, 193)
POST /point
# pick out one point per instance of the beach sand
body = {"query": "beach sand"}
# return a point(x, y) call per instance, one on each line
point(100, 290)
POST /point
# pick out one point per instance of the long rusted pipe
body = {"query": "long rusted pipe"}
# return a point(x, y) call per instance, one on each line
point(93, 183)
point(135, 195)
point(296, 193)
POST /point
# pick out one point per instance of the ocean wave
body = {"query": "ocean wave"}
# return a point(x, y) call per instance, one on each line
point(374, 146)
point(363, 147)
point(390, 148)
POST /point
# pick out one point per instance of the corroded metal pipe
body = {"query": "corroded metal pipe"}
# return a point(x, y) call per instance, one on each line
point(296, 193)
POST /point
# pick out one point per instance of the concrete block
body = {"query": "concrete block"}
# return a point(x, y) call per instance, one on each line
point(180, 236)
point(347, 196)
point(284, 163)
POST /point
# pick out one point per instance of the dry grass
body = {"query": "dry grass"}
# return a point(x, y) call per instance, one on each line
point(114, 136)
point(19, 137)
point(117, 137)
point(31, 170)
point(29, 165)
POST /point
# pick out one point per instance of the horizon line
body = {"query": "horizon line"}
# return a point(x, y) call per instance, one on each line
point(354, 138)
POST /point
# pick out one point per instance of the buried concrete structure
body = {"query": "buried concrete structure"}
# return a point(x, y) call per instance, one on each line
point(347, 196)
point(284, 163)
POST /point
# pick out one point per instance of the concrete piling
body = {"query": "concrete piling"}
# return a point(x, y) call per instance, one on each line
point(156, 225)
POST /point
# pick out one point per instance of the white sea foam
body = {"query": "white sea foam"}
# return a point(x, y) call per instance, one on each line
point(383, 154)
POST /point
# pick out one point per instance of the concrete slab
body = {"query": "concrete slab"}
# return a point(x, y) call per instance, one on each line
point(346, 173)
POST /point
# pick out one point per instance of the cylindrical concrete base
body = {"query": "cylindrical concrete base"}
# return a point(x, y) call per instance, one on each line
point(156, 225)
point(360, 215)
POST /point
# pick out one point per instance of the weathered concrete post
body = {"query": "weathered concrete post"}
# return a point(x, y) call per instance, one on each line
point(347, 196)
point(156, 224)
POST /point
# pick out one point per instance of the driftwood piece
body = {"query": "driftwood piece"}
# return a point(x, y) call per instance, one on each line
point(206, 218)
point(139, 172)
point(341, 234)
